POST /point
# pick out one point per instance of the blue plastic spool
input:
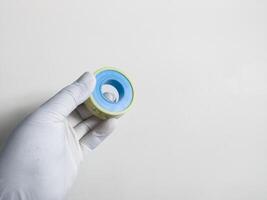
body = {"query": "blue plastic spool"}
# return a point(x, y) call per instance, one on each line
point(98, 102)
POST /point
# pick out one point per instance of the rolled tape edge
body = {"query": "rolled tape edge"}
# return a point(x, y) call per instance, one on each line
point(97, 110)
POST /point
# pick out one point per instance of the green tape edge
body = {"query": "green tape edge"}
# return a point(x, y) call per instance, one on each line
point(98, 111)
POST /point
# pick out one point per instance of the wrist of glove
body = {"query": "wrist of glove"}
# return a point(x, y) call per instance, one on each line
point(41, 157)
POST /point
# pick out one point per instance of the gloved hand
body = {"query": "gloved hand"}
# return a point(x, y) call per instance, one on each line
point(42, 155)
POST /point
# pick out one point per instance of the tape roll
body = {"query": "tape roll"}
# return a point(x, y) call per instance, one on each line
point(113, 94)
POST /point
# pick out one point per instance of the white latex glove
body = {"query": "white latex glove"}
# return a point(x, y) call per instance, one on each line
point(42, 155)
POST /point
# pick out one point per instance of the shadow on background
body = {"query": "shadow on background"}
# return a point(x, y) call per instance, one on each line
point(10, 119)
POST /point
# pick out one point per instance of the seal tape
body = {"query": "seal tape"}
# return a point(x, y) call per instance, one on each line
point(106, 105)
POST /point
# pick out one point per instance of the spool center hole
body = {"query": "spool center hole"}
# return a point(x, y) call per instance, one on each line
point(110, 93)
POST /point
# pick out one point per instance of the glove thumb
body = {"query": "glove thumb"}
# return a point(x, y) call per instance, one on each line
point(66, 100)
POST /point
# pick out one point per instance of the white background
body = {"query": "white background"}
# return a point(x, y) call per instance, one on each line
point(198, 129)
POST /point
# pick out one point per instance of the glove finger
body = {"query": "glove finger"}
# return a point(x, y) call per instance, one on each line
point(66, 100)
point(98, 134)
point(83, 111)
point(74, 118)
point(80, 114)
point(85, 126)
